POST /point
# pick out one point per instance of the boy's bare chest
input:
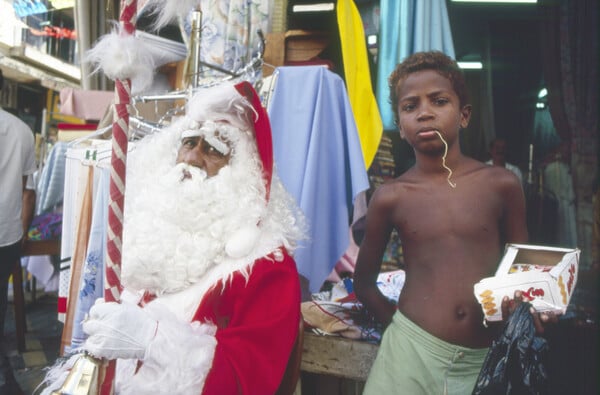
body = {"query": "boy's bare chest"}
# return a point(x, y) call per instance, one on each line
point(440, 212)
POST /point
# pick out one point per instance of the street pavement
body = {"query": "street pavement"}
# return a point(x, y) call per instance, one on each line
point(42, 340)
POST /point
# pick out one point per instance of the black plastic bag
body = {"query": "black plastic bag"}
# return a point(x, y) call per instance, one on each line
point(516, 362)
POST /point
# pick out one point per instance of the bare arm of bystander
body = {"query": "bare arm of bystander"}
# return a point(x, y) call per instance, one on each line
point(28, 208)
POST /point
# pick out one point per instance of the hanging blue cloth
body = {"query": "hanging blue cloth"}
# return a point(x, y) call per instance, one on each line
point(319, 160)
point(50, 189)
point(406, 27)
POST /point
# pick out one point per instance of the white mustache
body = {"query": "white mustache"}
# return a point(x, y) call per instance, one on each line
point(188, 172)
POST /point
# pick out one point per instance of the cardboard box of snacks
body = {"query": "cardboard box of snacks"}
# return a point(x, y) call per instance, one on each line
point(546, 276)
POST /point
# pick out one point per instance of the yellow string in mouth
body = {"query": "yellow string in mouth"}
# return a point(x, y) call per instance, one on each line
point(452, 184)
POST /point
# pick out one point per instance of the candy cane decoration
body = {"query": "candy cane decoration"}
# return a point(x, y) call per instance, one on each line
point(112, 285)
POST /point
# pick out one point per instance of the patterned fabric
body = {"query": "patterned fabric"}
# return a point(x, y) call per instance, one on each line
point(383, 169)
point(91, 285)
point(570, 35)
point(229, 33)
point(579, 77)
point(46, 227)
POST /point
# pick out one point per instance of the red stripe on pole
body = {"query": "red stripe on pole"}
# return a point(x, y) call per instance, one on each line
point(112, 286)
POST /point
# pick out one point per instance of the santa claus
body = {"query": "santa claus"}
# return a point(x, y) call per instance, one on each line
point(211, 303)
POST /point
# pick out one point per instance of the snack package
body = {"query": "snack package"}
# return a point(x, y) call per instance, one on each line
point(546, 276)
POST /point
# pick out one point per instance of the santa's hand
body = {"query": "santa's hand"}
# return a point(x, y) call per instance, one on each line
point(118, 330)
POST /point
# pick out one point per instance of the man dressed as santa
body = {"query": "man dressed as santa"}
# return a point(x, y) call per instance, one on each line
point(211, 303)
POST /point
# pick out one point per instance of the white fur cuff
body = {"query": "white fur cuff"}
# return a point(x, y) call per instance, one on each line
point(177, 361)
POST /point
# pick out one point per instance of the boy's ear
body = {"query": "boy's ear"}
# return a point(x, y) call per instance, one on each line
point(465, 115)
point(397, 124)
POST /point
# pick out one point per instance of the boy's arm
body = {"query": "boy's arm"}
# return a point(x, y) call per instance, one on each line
point(368, 263)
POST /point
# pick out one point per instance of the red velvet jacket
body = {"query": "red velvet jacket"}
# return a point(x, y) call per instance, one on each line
point(257, 321)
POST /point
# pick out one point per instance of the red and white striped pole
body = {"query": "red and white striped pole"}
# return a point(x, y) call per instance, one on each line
point(112, 285)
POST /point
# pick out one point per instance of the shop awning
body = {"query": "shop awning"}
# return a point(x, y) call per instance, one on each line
point(24, 72)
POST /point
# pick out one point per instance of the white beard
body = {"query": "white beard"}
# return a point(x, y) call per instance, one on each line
point(176, 229)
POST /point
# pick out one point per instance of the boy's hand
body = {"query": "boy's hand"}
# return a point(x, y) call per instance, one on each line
point(539, 319)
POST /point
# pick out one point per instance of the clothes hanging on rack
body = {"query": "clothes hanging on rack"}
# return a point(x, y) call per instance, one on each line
point(77, 257)
point(78, 160)
point(50, 186)
point(229, 34)
point(319, 159)
point(91, 283)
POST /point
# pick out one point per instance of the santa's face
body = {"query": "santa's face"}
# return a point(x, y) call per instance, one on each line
point(178, 224)
point(199, 152)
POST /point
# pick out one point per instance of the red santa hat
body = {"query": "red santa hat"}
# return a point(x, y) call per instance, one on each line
point(239, 105)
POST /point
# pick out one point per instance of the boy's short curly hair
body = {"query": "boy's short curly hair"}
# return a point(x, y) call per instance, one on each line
point(431, 60)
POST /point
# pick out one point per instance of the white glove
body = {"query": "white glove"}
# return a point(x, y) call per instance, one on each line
point(118, 330)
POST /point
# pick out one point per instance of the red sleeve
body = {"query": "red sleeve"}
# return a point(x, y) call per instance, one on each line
point(258, 324)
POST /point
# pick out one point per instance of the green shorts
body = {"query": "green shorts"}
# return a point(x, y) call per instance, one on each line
point(412, 361)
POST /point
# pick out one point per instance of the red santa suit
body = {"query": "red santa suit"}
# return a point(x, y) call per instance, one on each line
point(211, 300)
point(256, 320)
point(232, 329)
point(259, 317)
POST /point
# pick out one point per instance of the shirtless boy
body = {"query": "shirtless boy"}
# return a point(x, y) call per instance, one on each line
point(454, 215)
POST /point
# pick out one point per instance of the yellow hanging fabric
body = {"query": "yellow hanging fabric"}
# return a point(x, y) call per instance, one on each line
point(358, 79)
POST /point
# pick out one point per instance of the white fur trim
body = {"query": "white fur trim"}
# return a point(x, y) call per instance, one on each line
point(124, 56)
point(185, 303)
point(242, 241)
point(170, 10)
point(221, 103)
point(177, 361)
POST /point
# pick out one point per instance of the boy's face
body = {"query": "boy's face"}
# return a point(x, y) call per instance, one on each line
point(427, 103)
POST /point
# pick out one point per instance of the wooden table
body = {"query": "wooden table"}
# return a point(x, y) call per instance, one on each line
point(31, 247)
point(337, 356)
point(41, 247)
